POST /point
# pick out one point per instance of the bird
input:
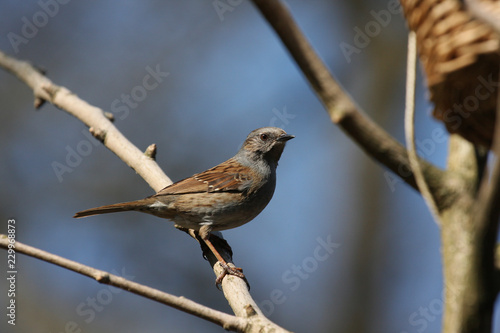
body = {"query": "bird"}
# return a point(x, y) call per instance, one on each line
point(220, 198)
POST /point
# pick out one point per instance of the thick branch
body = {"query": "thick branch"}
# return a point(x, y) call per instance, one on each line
point(453, 190)
point(235, 290)
point(471, 280)
point(339, 105)
point(225, 320)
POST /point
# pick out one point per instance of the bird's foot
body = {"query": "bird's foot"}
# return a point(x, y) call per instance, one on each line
point(236, 271)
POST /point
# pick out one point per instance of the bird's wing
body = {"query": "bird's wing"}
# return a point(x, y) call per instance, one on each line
point(228, 176)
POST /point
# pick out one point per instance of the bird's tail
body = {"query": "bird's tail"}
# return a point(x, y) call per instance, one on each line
point(138, 205)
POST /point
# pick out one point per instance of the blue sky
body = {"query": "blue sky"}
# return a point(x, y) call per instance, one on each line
point(227, 75)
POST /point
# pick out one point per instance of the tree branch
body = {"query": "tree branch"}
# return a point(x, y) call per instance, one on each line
point(225, 320)
point(486, 207)
point(465, 309)
point(342, 110)
point(235, 290)
point(99, 125)
point(472, 269)
point(497, 266)
point(410, 127)
point(453, 190)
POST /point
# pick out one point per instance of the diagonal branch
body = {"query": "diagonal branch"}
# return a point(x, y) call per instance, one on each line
point(225, 320)
point(339, 105)
point(445, 186)
point(99, 125)
point(235, 290)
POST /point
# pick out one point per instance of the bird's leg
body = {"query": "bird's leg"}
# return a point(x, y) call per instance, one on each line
point(236, 271)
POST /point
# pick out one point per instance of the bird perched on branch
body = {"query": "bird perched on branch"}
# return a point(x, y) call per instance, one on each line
point(223, 197)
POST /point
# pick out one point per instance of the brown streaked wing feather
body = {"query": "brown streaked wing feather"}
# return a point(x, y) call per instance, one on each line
point(188, 185)
point(224, 177)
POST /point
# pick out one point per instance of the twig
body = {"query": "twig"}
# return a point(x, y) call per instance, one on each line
point(235, 290)
point(225, 320)
point(497, 265)
point(342, 110)
point(99, 125)
point(487, 205)
point(410, 127)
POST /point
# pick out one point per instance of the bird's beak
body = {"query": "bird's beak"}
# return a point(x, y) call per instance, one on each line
point(285, 137)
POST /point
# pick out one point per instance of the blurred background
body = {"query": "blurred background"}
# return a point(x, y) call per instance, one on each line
point(220, 73)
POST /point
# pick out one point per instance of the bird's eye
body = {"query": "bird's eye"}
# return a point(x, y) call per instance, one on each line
point(264, 137)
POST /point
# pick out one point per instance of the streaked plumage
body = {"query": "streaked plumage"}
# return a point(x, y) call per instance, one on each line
point(223, 197)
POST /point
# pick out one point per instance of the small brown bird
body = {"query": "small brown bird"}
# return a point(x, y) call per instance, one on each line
point(223, 197)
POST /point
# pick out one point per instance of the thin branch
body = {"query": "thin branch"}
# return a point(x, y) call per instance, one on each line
point(497, 266)
point(486, 205)
point(445, 186)
point(235, 290)
point(411, 79)
point(225, 320)
point(488, 210)
point(99, 125)
point(342, 110)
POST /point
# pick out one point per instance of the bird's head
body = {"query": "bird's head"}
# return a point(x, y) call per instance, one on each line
point(265, 143)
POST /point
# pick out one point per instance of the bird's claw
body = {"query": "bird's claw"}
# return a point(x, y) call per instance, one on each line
point(228, 270)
